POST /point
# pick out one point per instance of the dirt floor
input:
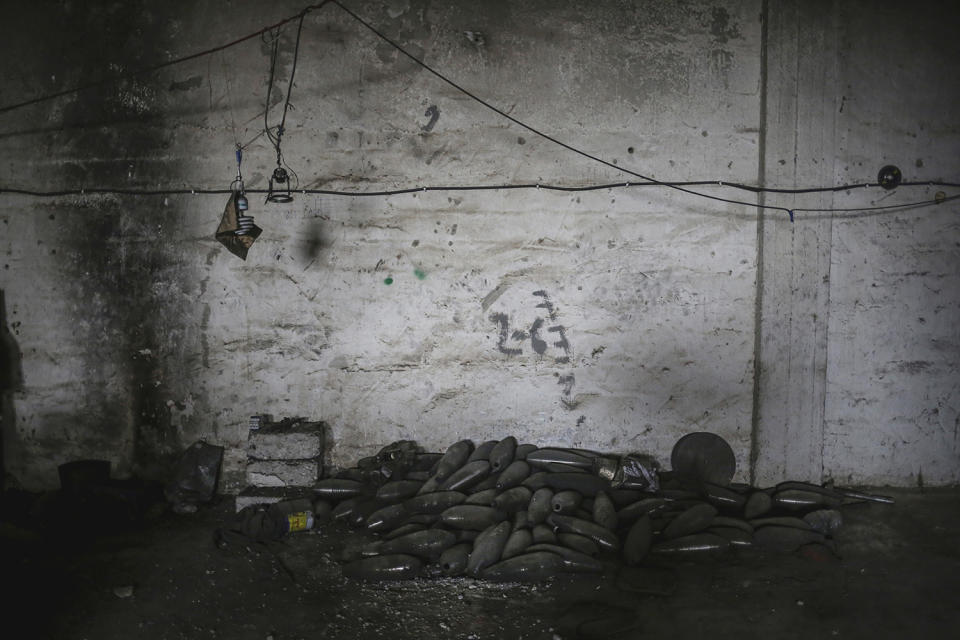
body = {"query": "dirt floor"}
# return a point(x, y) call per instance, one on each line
point(896, 574)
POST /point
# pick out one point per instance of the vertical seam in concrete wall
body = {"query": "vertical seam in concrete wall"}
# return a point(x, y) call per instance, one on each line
point(761, 198)
point(792, 280)
point(834, 49)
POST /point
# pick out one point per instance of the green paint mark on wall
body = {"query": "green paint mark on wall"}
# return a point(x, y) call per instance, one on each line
point(388, 280)
point(420, 273)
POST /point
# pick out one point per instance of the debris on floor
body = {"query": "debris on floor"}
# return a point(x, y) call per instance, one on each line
point(894, 576)
point(265, 522)
point(195, 479)
point(93, 501)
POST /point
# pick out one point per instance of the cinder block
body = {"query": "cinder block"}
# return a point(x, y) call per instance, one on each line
point(282, 473)
point(298, 443)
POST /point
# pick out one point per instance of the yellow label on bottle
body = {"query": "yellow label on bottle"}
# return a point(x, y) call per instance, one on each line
point(297, 521)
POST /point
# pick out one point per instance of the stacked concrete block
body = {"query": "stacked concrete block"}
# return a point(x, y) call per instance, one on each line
point(283, 461)
point(282, 473)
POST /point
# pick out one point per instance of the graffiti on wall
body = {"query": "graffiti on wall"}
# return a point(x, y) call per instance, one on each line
point(544, 336)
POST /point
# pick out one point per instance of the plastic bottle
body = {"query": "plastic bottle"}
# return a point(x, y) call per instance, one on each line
point(299, 521)
point(293, 515)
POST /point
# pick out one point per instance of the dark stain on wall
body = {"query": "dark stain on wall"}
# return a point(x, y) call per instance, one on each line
point(117, 268)
point(11, 379)
point(11, 371)
point(721, 27)
point(193, 82)
point(313, 241)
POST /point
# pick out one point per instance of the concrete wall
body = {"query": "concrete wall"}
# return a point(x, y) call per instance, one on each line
point(616, 319)
point(860, 336)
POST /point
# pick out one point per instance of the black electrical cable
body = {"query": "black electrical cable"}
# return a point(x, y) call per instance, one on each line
point(672, 185)
point(293, 72)
point(834, 188)
point(286, 104)
point(543, 135)
point(921, 203)
point(251, 140)
point(678, 185)
point(401, 191)
point(276, 139)
point(145, 70)
point(274, 46)
point(329, 192)
point(233, 119)
point(407, 190)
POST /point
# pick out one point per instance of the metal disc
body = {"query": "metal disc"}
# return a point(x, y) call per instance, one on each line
point(704, 456)
point(889, 177)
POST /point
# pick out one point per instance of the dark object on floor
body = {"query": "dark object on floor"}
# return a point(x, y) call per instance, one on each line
point(536, 566)
point(79, 476)
point(90, 497)
point(196, 476)
point(396, 459)
point(256, 523)
point(265, 523)
point(393, 567)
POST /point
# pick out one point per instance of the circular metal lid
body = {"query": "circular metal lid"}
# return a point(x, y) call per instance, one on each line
point(704, 456)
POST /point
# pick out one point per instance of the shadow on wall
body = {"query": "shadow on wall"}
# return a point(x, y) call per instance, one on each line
point(116, 258)
point(11, 379)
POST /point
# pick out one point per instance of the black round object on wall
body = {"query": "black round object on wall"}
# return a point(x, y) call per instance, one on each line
point(704, 456)
point(889, 177)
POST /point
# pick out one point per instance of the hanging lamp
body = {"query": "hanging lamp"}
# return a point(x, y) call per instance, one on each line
point(237, 231)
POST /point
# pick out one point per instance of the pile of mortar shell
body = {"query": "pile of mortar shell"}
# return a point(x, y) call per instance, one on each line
point(505, 512)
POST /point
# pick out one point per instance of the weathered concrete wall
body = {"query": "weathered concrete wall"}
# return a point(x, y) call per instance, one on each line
point(860, 336)
point(635, 305)
point(616, 319)
point(97, 288)
point(794, 280)
point(892, 411)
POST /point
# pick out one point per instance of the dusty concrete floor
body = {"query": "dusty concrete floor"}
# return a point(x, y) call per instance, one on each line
point(897, 575)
